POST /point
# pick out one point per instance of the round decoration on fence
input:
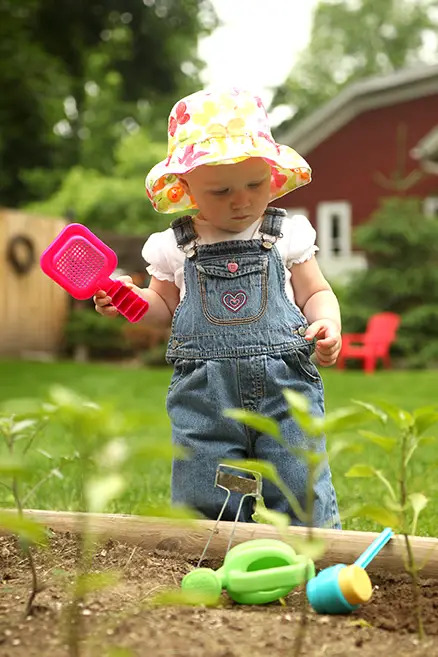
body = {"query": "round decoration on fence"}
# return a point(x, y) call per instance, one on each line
point(20, 253)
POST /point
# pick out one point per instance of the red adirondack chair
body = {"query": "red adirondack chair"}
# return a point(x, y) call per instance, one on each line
point(371, 345)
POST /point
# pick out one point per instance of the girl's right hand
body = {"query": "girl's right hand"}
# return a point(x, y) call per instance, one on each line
point(102, 302)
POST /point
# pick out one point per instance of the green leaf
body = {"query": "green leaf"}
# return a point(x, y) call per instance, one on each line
point(313, 548)
point(427, 440)
point(270, 472)
point(374, 410)
point(269, 516)
point(399, 416)
point(361, 470)
point(66, 398)
point(299, 409)
point(384, 442)
point(23, 426)
point(344, 419)
point(93, 582)
point(379, 514)
point(264, 468)
point(418, 502)
point(424, 419)
point(255, 421)
point(158, 449)
point(338, 447)
point(26, 529)
point(308, 456)
point(386, 483)
point(100, 491)
point(296, 400)
point(364, 470)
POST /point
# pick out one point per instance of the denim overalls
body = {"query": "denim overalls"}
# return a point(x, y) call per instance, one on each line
point(237, 342)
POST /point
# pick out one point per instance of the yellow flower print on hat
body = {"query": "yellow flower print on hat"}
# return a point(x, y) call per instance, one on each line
point(236, 126)
point(209, 110)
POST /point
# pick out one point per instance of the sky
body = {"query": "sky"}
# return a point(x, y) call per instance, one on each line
point(256, 45)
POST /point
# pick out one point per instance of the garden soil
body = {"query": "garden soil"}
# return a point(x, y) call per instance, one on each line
point(121, 621)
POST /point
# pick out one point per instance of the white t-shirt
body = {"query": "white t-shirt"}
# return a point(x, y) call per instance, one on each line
point(166, 260)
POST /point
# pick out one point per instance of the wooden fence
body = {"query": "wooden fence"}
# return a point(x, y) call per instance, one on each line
point(32, 307)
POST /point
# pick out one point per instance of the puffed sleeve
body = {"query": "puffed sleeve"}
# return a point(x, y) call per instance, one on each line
point(160, 252)
point(298, 240)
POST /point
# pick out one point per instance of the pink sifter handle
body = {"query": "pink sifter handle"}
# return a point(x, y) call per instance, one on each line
point(129, 304)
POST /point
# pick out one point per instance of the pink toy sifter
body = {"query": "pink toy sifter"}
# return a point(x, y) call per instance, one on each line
point(82, 264)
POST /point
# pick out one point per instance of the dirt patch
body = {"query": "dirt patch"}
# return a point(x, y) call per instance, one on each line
point(122, 615)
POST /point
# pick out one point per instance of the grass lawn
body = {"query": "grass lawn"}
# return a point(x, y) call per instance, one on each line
point(141, 393)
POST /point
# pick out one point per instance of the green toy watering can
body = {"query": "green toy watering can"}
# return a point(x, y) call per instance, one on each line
point(253, 573)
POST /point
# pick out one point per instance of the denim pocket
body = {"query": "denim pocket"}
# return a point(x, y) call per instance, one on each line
point(234, 291)
point(179, 370)
point(305, 367)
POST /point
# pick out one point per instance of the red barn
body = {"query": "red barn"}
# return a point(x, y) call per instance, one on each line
point(377, 138)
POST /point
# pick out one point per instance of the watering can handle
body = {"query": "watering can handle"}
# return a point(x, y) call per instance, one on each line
point(270, 578)
point(375, 547)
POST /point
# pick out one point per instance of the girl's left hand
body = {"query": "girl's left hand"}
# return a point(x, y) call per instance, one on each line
point(329, 340)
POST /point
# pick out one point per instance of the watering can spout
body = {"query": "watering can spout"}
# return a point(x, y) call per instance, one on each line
point(368, 555)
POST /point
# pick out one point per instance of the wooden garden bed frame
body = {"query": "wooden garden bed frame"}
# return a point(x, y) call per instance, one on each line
point(189, 538)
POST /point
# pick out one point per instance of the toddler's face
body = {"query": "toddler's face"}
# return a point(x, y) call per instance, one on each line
point(231, 196)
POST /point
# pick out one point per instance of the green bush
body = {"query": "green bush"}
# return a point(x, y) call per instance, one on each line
point(115, 202)
point(101, 338)
point(400, 245)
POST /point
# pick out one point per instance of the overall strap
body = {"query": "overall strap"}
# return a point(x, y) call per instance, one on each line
point(272, 221)
point(184, 230)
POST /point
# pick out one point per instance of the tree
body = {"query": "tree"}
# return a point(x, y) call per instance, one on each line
point(116, 201)
point(353, 39)
point(402, 277)
point(72, 70)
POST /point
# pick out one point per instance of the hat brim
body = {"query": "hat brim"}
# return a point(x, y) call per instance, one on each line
point(288, 169)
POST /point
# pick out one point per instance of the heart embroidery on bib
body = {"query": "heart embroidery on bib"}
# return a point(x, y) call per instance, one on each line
point(234, 300)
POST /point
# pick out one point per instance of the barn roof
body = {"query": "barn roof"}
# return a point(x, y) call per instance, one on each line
point(371, 93)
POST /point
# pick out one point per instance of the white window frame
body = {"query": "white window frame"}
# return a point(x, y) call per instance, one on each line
point(430, 206)
point(325, 212)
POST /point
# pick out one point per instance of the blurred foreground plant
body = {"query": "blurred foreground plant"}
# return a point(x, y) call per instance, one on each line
point(21, 423)
point(314, 456)
point(401, 507)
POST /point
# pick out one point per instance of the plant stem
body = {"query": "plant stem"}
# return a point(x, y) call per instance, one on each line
point(74, 617)
point(413, 572)
point(299, 641)
point(35, 588)
point(412, 567)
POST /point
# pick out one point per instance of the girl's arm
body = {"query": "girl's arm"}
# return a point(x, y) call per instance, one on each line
point(163, 298)
point(320, 306)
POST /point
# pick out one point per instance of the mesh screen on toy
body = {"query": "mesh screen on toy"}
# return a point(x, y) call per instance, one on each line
point(80, 262)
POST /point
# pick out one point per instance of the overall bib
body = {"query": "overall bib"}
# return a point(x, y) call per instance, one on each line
point(237, 342)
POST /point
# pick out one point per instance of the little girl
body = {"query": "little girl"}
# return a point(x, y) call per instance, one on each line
point(239, 284)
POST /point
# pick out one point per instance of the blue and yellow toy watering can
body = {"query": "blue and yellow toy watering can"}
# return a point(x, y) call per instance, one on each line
point(340, 589)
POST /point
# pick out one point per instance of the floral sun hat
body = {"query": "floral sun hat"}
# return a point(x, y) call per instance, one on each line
point(217, 127)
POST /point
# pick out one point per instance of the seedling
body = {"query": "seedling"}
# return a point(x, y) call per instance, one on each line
point(401, 506)
point(314, 428)
point(19, 431)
